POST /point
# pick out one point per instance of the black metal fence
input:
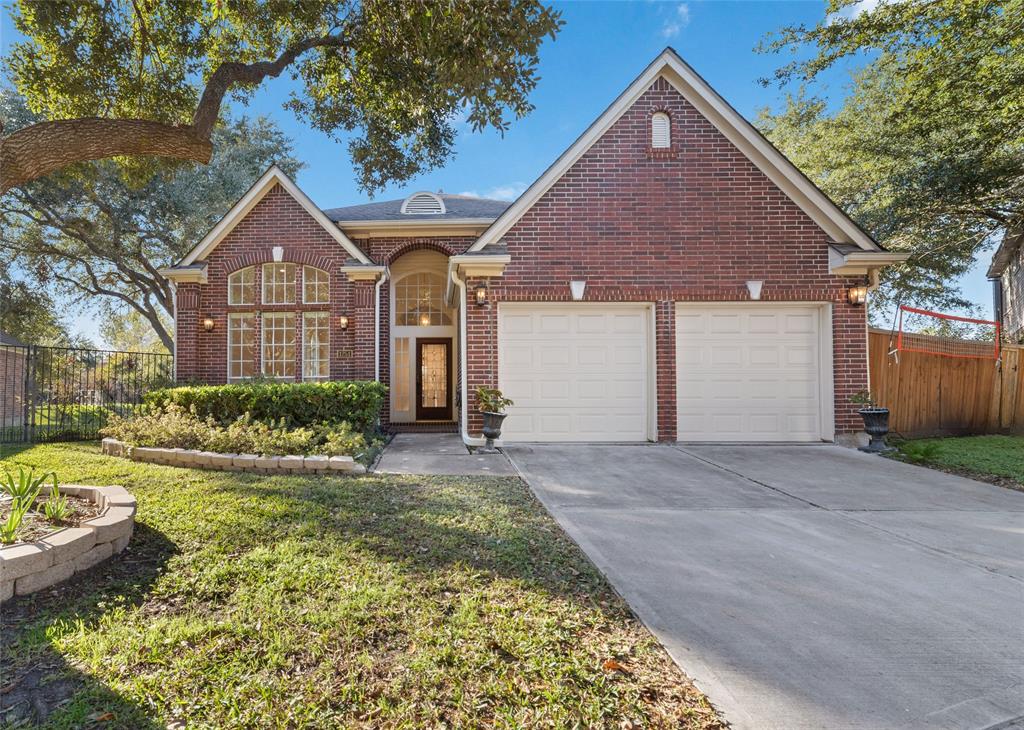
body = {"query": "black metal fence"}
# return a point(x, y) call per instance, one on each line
point(67, 394)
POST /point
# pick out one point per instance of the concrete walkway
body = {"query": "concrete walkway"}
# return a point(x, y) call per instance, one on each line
point(808, 586)
point(439, 453)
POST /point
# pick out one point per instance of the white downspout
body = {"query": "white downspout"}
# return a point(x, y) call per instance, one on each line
point(376, 324)
point(463, 347)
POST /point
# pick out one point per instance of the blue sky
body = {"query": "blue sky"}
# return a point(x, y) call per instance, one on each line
point(602, 48)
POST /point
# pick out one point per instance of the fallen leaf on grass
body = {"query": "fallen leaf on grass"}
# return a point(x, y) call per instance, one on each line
point(101, 716)
point(610, 665)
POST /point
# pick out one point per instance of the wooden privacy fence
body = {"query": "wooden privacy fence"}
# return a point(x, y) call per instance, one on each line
point(936, 395)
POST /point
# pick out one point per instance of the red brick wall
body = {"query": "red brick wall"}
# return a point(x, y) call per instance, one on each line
point(693, 223)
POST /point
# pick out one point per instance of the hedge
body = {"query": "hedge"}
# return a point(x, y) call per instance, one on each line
point(299, 404)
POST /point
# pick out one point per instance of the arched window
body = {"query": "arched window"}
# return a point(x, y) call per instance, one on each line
point(242, 286)
point(316, 285)
point(419, 301)
point(661, 131)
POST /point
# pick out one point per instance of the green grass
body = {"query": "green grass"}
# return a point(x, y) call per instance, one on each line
point(985, 456)
point(378, 601)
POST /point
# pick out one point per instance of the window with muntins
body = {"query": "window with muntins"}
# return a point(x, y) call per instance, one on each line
point(279, 283)
point(419, 301)
point(279, 344)
point(242, 286)
point(316, 285)
point(316, 345)
point(241, 346)
point(661, 131)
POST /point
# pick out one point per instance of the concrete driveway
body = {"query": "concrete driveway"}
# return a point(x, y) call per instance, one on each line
point(808, 586)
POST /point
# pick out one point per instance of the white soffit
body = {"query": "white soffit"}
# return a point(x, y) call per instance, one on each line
point(273, 176)
point(839, 227)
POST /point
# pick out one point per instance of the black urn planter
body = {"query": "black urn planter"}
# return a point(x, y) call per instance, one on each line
point(876, 424)
point(492, 430)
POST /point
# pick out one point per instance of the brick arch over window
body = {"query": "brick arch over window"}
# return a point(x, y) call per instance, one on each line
point(296, 256)
point(419, 244)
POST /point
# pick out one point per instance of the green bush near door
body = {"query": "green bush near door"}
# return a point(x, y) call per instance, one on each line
point(299, 404)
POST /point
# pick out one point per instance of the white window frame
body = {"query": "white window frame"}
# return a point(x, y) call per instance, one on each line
point(232, 318)
point(268, 341)
point(235, 284)
point(320, 278)
point(403, 285)
point(661, 131)
point(321, 322)
point(279, 289)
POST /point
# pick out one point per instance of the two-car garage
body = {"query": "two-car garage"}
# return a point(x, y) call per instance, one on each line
point(758, 371)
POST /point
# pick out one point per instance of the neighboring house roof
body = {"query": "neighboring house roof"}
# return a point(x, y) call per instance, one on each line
point(456, 207)
point(1007, 251)
point(273, 176)
point(728, 121)
point(6, 339)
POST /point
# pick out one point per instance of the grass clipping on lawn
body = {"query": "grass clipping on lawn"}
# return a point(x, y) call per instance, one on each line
point(288, 601)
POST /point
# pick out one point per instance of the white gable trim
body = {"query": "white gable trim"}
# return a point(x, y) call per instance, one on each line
point(727, 120)
point(273, 176)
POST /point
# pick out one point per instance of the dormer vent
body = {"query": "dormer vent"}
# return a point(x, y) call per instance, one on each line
point(423, 203)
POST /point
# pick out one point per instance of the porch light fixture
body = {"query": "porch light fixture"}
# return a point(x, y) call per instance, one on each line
point(857, 294)
point(754, 287)
point(343, 322)
point(481, 295)
point(208, 324)
point(424, 320)
point(577, 288)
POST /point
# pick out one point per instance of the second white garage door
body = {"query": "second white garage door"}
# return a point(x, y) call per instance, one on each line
point(753, 372)
point(577, 372)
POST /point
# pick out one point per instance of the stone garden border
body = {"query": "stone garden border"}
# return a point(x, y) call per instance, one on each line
point(234, 462)
point(28, 567)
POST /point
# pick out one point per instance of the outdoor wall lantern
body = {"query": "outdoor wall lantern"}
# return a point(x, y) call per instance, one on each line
point(858, 294)
point(754, 287)
point(481, 295)
point(577, 288)
point(424, 320)
point(208, 324)
point(343, 322)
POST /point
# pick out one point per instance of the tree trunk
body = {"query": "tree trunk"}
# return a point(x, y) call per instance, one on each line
point(46, 147)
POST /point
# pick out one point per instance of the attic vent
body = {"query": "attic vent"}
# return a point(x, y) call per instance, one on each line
point(661, 135)
point(423, 204)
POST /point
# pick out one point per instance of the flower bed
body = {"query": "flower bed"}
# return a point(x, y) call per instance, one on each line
point(26, 567)
point(263, 464)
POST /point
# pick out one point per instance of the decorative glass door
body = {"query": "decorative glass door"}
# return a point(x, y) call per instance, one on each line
point(433, 378)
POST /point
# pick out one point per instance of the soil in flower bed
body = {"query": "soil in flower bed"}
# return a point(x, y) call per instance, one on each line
point(35, 526)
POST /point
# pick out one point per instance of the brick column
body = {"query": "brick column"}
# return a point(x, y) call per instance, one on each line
point(849, 361)
point(186, 332)
point(482, 351)
point(361, 328)
point(665, 369)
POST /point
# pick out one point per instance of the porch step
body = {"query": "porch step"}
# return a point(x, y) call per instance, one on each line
point(433, 427)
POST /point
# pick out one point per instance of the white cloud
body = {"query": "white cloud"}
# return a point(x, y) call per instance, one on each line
point(511, 191)
point(678, 20)
point(858, 8)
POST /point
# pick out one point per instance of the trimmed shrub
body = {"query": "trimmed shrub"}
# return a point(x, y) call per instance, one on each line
point(357, 403)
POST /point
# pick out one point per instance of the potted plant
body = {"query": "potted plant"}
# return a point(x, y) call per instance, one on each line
point(876, 422)
point(493, 405)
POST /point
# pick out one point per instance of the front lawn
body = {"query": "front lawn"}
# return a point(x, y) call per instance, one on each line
point(995, 458)
point(288, 601)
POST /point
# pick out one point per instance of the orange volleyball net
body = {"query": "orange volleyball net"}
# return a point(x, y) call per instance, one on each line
point(947, 334)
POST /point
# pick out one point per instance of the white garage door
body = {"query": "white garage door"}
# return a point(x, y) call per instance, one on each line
point(577, 372)
point(751, 373)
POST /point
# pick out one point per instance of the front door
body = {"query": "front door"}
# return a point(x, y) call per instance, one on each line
point(433, 379)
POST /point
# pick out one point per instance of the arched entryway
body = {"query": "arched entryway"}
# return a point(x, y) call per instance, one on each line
point(423, 342)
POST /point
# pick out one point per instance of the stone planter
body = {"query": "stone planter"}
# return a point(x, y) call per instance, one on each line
point(234, 462)
point(876, 425)
point(492, 430)
point(31, 566)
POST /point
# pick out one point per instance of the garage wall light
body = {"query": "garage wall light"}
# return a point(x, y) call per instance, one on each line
point(857, 294)
point(481, 295)
point(754, 287)
point(577, 288)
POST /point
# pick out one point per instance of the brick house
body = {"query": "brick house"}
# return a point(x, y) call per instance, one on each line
point(1007, 274)
point(13, 380)
point(670, 277)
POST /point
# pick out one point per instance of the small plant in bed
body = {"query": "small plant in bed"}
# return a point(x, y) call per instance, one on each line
point(24, 517)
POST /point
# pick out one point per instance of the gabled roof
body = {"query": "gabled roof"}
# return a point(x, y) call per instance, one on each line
point(273, 176)
point(457, 207)
point(1012, 241)
point(826, 214)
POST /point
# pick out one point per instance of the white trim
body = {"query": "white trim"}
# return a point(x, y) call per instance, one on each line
point(363, 273)
point(861, 262)
point(826, 379)
point(174, 336)
point(321, 271)
point(255, 325)
point(376, 324)
point(273, 176)
point(727, 120)
point(187, 275)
